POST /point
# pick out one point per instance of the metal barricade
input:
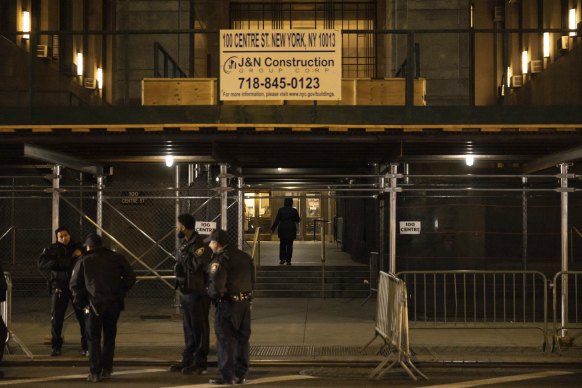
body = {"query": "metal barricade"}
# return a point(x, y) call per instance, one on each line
point(6, 310)
point(569, 316)
point(6, 306)
point(392, 326)
point(478, 300)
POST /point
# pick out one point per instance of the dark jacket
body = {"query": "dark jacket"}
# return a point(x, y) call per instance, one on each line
point(59, 260)
point(287, 219)
point(231, 272)
point(191, 268)
point(100, 277)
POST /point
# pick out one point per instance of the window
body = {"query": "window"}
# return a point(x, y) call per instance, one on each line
point(313, 206)
point(358, 56)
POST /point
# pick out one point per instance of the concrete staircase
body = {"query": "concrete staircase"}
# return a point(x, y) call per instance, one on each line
point(302, 281)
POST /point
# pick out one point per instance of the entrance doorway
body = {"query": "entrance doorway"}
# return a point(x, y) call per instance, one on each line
point(260, 210)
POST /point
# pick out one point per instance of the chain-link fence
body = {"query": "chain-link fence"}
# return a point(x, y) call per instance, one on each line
point(137, 210)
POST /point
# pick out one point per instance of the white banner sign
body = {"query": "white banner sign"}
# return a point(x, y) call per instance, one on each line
point(409, 227)
point(205, 227)
point(280, 65)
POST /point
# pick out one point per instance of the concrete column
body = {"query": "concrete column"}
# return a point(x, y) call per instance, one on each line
point(223, 197)
point(56, 199)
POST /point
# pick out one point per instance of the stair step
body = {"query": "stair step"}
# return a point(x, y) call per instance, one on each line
point(309, 286)
point(309, 294)
point(311, 279)
point(305, 281)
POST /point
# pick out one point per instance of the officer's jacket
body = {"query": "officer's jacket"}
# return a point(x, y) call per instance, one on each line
point(191, 268)
point(100, 277)
point(59, 260)
point(231, 273)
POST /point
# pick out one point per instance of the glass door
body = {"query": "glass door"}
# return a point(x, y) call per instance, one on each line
point(257, 213)
point(312, 213)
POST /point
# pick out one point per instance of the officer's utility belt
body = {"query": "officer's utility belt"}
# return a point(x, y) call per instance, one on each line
point(239, 297)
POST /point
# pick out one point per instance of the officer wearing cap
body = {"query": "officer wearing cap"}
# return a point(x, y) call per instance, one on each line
point(191, 270)
point(231, 283)
point(60, 258)
point(99, 282)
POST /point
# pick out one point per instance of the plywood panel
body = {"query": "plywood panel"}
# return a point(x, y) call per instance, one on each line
point(348, 94)
point(179, 91)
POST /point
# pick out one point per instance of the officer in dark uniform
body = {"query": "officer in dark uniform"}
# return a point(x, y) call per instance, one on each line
point(232, 279)
point(191, 270)
point(60, 258)
point(3, 328)
point(100, 280)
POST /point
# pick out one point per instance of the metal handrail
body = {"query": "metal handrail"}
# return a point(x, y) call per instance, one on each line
point(6, 233)
point(176, 71)
point(256, 250)
point(13, 230)
point(315, 221)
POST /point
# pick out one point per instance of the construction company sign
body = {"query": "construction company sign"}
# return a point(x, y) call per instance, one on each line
point(280, 65)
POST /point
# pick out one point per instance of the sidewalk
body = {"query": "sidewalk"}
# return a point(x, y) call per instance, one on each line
point(293, 329)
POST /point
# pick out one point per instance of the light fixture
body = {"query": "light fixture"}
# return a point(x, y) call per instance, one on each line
point(100, 78)
point(469, 160)
point(79, 64)
point(572, 22)
point(279, 169)
point(169, 160)
point(472, 11)
point(546, 40)
point(524, 62)
point(509, 74)
point(25, 24)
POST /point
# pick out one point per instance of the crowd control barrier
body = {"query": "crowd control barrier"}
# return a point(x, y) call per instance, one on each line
point(392, 326)
point(569, 316)
point(478, 300)
point(6, 311)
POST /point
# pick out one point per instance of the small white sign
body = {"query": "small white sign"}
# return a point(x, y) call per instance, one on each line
point(205, 227)
point(409, 227)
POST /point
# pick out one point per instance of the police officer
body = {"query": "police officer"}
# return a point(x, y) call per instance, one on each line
point(231, 283)
point(60, 258)
point(100, 280)
point(191, 270)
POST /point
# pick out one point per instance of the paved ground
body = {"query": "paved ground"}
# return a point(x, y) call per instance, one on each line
point(322, 340)
point(292, 329)
point(301, 376)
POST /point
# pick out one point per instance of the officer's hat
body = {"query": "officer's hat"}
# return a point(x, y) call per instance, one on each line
point(219, 236)
point(93, 240)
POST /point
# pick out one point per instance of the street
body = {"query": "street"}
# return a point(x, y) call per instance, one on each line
point(302, 376)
